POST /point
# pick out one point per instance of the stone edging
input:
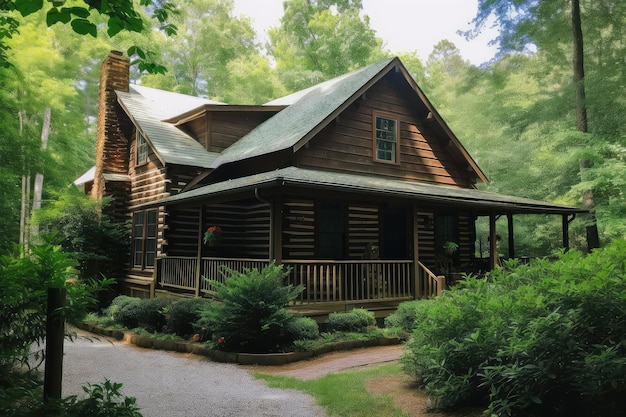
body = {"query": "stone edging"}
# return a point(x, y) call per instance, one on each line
point(234, 357)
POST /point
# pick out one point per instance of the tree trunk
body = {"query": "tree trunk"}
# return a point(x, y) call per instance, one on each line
point(38, 187)
point(593, 240)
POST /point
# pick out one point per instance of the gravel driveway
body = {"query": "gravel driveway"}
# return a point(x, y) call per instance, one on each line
point(178, 385)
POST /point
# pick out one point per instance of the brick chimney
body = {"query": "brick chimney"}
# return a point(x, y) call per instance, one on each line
point(112, 144)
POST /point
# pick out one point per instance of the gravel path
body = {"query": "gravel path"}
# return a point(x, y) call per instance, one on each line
point(178, 385)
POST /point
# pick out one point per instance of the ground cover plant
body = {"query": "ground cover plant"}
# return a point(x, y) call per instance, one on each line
point(540, 339)
point(24, 281)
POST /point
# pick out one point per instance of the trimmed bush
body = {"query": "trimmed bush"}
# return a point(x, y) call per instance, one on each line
point(183, 314)
point(124, 310)
point(357, 320)
point(404, 317)
point(303, 328)
point(544, 339)
point(251, 315)
point(152, 314)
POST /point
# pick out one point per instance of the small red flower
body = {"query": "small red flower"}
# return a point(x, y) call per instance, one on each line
point(195, 337)
point(220, 340)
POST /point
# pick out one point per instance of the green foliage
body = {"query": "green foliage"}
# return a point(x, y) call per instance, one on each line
point(24, 281)
point(149, 314)
point(183, 314)
point(404, 317)
point(303, 328)
point(103, 400)
point(121, 16)
point(250, 314)
point(357, 320)
point(99, 243)
point(544, 339)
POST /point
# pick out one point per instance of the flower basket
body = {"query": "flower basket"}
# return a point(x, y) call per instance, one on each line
point(213, 235)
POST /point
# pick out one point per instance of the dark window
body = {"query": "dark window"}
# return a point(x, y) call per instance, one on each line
point(144, 238)
point(331, 231)
point(446, 230)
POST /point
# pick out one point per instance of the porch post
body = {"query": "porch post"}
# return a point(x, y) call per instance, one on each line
point(565, 222)
point(276, 230)
point(509, 218)
point(493, 248)
point(199, 251)
point(417, 293)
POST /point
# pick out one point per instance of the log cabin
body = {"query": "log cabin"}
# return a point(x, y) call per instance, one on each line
point(356, 184)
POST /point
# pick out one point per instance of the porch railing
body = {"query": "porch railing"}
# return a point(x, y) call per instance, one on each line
point(429, 284)
point(324, 281)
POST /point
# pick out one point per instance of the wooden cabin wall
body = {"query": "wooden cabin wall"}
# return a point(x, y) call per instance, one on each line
point(217, 130)
point(245, 229)
point(298, 229)
point(347, 143)
point(363, 228)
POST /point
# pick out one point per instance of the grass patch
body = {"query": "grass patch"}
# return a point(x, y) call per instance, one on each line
point(344, 394)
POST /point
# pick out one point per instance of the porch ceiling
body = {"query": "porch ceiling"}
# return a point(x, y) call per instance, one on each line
point(435, 195)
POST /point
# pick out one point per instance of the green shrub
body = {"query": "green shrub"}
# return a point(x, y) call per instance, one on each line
point(124, 310)
point(251, 314)
point(183, 314)
point(404, 317)
point(357, 320)
point(131, 312)
point(544, 339)
point(303, 328)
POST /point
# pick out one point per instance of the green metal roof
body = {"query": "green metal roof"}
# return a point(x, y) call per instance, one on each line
point(370, 185)
point(306, 111)
point(147, 107)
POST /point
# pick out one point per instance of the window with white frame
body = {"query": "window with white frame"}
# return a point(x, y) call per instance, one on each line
point(385, 139)
point(142, 148)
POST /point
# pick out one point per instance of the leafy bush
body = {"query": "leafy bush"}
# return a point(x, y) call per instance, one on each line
point(133, 312)
point(404, 317)
point(183, 314)
point(104, 400)
point(357, 320)
point(124, 310)
point(251, 314)
point(99, 243)
point(544, 339)
point(303, 328)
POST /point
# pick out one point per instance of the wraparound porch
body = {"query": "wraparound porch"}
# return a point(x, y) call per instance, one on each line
point(329, 285)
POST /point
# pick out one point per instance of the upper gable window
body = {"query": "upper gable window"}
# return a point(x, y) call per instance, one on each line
point(386, 139)
point(142, 149)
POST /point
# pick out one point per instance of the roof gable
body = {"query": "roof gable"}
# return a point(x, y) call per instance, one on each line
point(147, 107)
point(310, 110)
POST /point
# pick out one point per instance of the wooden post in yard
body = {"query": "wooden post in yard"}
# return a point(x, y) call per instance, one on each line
point(55, 333)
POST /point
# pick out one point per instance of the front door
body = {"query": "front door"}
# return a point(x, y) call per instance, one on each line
point(394, 234)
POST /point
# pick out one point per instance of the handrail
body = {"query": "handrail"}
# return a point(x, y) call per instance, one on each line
point(432, 285)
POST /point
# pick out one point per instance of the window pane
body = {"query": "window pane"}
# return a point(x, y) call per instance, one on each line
point(386, 138)
point(137, 238)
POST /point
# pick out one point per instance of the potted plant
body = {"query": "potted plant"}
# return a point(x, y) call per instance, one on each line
point(450, 247)
point(213, 235)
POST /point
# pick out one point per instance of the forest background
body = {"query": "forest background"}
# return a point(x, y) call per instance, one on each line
point(516, 115)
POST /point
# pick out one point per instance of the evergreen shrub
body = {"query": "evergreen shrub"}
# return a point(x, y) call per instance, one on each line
point(357, 320)
point(250, 313)
point(540, 339)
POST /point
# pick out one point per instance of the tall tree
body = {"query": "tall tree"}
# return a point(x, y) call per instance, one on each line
point(320, 39)
point(553, 28)
point(209, 37)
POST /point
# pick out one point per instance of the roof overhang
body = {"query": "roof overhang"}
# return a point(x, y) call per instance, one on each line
point(435, 195)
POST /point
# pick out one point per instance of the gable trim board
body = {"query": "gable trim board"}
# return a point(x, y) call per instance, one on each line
point(325, 180)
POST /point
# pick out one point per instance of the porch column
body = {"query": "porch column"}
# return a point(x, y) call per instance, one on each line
point(493, 244)
point(199, 251)
point(417, 293)
point(276, 230)
point(565, 222)
point(509, 218)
